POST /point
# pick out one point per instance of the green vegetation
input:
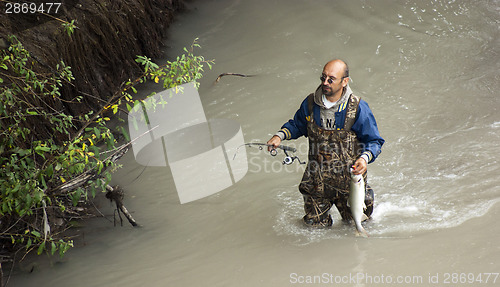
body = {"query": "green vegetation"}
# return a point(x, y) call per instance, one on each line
point(52, 161)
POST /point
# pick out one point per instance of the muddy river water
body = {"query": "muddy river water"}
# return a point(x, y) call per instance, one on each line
point(429, 71)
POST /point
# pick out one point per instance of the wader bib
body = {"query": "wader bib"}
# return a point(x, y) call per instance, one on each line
point(326, 180)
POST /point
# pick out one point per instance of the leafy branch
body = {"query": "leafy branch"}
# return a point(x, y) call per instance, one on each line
point(52, 161)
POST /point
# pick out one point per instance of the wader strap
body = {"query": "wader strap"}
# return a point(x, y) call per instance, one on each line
point(352, 110)
point(310, 104)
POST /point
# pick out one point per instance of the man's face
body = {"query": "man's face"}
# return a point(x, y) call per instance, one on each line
point(332, 80)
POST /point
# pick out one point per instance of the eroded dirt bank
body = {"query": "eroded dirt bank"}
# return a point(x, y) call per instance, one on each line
point(102, 50)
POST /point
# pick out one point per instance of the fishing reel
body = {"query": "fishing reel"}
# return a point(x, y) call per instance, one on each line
point(288, 159)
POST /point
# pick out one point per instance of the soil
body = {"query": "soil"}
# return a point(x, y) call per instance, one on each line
point(102, 50)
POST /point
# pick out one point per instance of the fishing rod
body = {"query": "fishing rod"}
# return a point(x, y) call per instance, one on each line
point(289, 159)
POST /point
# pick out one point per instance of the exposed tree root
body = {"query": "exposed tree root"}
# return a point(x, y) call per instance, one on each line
point(116, 194)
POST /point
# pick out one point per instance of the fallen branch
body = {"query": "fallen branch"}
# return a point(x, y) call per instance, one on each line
point(231, 74)
point(90, 174)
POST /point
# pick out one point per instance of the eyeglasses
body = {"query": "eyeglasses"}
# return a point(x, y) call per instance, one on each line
point(330, 79)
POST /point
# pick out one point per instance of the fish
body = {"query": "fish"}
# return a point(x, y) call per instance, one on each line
point(356, 202)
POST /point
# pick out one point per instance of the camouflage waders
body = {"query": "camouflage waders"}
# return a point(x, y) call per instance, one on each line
point(326, 180)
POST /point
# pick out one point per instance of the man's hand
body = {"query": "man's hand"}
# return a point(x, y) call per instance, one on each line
point(359, 166)
point(273, 143)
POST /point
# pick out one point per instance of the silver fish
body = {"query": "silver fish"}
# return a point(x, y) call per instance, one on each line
point(356, 202)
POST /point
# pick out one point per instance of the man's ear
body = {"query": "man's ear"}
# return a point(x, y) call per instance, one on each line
point(345, 81)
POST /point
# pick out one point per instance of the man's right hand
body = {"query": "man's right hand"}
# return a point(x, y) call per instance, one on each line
point(273, 143)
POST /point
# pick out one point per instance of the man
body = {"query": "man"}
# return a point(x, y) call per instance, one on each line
point(342, 133)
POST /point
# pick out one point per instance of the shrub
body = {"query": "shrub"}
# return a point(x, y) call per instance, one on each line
point(43, 174)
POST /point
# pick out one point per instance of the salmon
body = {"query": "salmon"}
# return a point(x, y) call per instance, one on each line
point(356, 202)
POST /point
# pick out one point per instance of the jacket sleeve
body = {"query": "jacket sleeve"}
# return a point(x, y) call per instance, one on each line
point(367, 132)
point(297, 126)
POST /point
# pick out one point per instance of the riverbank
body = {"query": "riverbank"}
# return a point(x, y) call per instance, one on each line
point(99, 41)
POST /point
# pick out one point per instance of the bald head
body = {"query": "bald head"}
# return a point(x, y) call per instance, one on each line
point(335, 66)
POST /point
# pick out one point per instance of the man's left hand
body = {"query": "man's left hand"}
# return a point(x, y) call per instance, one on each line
point(360, 166)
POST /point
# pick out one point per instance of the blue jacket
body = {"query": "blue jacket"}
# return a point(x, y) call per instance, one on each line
point(365, 126)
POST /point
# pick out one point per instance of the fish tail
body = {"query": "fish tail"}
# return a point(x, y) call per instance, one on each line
point(360, 231)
